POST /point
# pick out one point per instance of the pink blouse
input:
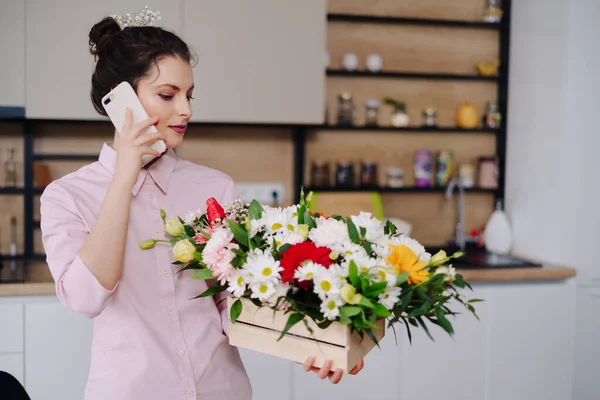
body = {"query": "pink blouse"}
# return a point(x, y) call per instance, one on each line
point(151, 341)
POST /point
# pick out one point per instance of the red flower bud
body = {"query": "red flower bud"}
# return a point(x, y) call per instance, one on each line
point(214, 210)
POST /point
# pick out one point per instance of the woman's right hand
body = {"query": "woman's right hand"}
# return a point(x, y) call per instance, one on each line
point(131, 145)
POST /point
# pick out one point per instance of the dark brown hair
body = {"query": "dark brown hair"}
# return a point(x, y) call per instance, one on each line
point(128, 54)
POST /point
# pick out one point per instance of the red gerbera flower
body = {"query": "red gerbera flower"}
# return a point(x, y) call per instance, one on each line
point(214, 210)
point(293, 258)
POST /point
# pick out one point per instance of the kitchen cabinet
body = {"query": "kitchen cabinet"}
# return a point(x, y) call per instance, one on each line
point(12, 48)
point(11, 333)
point(587, 350)
point(57, 356)
point(59, 66)
point(261, 61)
point(13, 364)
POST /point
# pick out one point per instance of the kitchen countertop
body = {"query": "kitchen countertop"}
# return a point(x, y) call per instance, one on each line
point(544, 273)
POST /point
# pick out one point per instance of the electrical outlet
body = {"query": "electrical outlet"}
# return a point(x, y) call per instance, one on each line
point(263, 192)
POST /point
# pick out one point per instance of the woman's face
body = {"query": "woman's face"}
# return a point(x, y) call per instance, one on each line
point(165, 92)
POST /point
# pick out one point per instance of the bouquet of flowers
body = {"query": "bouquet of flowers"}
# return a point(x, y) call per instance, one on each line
point(355, 271)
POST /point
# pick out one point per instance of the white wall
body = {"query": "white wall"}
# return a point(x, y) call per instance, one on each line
point(552, 185)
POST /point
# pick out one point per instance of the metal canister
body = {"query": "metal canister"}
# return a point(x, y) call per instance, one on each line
point(423, 168)
point(444, 167)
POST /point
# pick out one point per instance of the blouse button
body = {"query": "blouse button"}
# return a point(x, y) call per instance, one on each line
point(165, 271)
point(181, 353)
point(190, 393)
point(171, 311)
point(157, 230)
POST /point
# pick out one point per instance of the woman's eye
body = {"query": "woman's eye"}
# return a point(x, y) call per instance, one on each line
point(189, 97)
point(166, 96)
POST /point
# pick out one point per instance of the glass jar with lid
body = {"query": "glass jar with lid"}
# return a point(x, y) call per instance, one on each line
point(493, 118)
point(493, 11)
point(345, 109)
point(371, 112)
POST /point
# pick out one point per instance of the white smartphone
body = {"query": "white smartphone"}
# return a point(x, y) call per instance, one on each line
point(115, 103)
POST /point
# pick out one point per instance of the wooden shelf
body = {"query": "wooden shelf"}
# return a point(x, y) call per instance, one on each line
point(441, 129)
point(12, 190)
point(408, 189)
point(410, 75)
point(412, 21)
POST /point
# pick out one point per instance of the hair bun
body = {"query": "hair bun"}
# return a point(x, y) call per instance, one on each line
point(102, 33)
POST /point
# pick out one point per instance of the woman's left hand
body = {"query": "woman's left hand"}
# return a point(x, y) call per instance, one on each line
point(325, 370)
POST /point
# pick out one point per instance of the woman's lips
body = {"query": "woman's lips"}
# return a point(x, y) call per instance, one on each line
point(178, 128)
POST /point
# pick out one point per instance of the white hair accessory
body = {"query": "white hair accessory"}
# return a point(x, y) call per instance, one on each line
point(145, 17)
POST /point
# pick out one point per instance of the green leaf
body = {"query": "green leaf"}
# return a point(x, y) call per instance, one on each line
point(349, 311)
point(375, 289)
point(371, 335)
point(353, 274)
point(475, 300)
point(367, 246)
point(381, 311)
point(423, 309)
point(292, 320)
point(408, 331)
point(325, 324)
point(255, 210)
point(352, 231)
point(364, 284)
point(303, 208)
point(217, 288)
point(198, 256)
point(389, 228)
point(256, 302)
point(425, 328)
point(204, 273)
point(344, 320)
point(459, 281)
point(337, 217)
point(309, 220)
point(236, 310)
point(366, 302)
point(238, 261)
point(239, 233)
point(443, 322)
point(403, 277)
point(191, 265)
point(363, 231)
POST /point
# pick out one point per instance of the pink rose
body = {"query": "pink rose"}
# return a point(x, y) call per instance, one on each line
point(217, 254)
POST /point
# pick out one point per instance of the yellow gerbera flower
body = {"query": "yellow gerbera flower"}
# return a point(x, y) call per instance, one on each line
point(405, 260)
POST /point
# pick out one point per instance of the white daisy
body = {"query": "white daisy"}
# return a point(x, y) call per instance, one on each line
point(262, 290)
point(384, 274)
point(330, 233)
point(287, 237)
point(340, 271)
point(330, 306)
point(237, 283)
point(263, 266)
point(307, 271)
point(390, 297)
point(374, 227)
point(277, 219)
point(192, 218)
point(362, 261)
point(351, 249)
point(326, 282)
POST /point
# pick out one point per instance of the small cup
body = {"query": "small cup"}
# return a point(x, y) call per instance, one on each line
point(350, 61)
point(374, 63)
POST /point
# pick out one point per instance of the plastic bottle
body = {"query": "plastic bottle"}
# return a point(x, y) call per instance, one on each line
point(498, 232)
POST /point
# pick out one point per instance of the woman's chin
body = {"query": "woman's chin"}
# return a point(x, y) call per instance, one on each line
point(174, 142)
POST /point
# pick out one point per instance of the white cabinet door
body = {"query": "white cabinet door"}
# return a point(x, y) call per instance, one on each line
point(270, 377)
point(448, 367)
point(13, 364)
point(11, 332)
point(587, 347)
point(59, 66)
point(258, 61)
point(531, 341)
point(12, 48)
point(57, 351)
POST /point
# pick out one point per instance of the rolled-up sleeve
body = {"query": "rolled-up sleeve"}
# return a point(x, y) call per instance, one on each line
point(63, 233)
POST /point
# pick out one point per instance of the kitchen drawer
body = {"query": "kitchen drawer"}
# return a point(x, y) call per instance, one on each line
point(13, 364)
point(11, 333)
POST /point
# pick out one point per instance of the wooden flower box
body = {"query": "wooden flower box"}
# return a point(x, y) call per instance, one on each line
point(259, 328)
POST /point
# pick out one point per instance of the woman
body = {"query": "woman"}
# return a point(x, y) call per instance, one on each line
point(150, 340)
